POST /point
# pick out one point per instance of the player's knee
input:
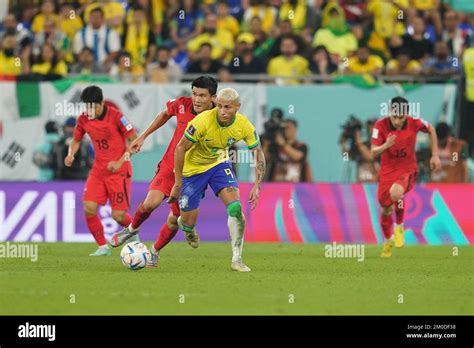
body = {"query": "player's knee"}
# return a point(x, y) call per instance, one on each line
point(234, 209)
point(90, 210)
point(172, 222)
point(396, 193)
point(118, 216)
point(151, 204)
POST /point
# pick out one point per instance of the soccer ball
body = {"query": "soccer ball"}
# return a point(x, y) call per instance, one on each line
point(135, 255)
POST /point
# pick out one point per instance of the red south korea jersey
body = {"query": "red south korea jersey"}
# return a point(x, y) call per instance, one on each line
point(182, 109)
point(108, 134)
point(400, 158)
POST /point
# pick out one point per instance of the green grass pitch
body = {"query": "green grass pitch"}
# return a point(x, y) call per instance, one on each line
point(286, 279)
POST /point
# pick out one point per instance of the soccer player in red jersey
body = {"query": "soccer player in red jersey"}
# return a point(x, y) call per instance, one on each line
point(394, 137)
point(204, 90)
point(110, 176)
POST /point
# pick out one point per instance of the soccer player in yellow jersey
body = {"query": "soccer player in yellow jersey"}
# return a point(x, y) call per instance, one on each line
point(202, 159)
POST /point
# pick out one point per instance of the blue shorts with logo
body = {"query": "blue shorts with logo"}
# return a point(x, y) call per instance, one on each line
point(195, 186)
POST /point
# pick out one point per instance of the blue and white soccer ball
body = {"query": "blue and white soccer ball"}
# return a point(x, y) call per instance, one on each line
point(135, 255)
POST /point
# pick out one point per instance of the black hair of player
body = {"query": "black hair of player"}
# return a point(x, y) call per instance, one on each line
point(92, 94)
point(443, 130)
point(206, 82)
point(401, 104)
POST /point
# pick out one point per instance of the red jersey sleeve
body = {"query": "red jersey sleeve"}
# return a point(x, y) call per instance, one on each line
point(79, 130)
point(172, 106)
point(379, 134)
point(124, 125)
point(421, 125)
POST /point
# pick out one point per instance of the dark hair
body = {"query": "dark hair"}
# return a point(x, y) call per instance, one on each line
point(87, 48)
point(92, 94)
point(55, 59)
point(405, 52)
point(320, 48)
point(443, 130)
point(205, 44)
point(206, 82)
point(289, 37)
point(293, 121)
point(163, 48)
point(97, 9)
point(400, 103)
point(51, 127)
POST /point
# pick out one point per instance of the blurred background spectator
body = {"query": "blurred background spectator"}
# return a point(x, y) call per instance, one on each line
point(43, 155)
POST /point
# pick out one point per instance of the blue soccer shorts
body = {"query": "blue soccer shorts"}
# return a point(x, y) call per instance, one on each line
point(194, 187)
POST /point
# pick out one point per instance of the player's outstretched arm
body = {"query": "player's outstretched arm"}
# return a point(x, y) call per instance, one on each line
point(159, 121)
point(259, 174)
point(377, 150)
point(113, 166)
point(183, 146)
point(73, 148)
point(435, 162)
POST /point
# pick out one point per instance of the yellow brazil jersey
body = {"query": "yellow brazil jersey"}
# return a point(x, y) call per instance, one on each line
point(424, 5)
point(9, 66)
point(468, 62)
point(293, 67)
point(211, 140)
point(373, 62)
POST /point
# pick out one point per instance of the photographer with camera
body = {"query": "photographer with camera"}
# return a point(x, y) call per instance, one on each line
point(286, 156)
point(353, 145)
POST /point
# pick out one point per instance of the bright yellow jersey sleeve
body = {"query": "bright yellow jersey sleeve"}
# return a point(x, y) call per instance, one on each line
point(212, 141)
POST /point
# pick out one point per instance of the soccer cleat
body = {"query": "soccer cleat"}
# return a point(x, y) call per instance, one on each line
point(191, 237)
point(155, 257)
point(121, 237)
point(399, 236)
point(239, 266)
point(102, 251)
point(387, 248)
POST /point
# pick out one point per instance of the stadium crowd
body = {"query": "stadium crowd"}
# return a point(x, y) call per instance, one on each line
point(160, 40)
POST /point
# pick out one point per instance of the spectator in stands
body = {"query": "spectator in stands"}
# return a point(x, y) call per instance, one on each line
point(264, 11)
point(224, 75)
point(139, 39)
point(180, 56)
point(262, 43)
point(442, 64)
point(46, 14)
point(205, 64)
point(104, 42)
point(456, 39)
point(419, 47)
point(385, 17)
point(288, 64)
point(299, 14)
point(22, 37)
point(114, 14)
point(453, 154)
point(69, 21)
point(9, 67)
point(290, 158)
point(187, 22)
point(165, 69)
point(284, 29)
point(82, 160)
point(125, 71)
point(86, 65)
point(43, 156)
point(49, 63)
point(245, 62)
point(225, 20)
point(403, 65)
point(54, 37)
point(335, 34)
point(221, 40)
point(364, 63)
point(321, 63)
